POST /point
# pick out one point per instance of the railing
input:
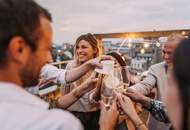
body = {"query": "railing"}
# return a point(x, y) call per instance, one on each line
point(60, 64)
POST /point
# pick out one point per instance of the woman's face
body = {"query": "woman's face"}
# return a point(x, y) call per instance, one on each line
point(116, 63)
point(173, 102)
point(84, 51)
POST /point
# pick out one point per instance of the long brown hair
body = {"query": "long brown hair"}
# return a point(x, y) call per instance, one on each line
point(122, 63)
point(91, 39)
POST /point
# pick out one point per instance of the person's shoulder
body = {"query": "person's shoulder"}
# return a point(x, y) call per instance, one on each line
point(64, 119)
point(158, 65)
point(55, 119)
point(61, 114)
point(36, 116)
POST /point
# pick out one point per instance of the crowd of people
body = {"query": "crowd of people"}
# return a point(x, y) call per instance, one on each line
point(25, 57)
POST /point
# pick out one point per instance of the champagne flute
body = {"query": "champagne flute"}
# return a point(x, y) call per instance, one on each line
point(121, 78)
point(107, 91)
point(121, 82)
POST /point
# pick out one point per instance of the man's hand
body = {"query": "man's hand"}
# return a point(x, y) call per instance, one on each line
point(108, 117)
point(134, 95)
point(44, 82)
point(138, 97)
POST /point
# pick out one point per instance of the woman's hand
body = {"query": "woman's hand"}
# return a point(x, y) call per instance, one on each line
point(86, 86)
point(126, 104)
point(108, 117)
point(68, 99)
point(128, 107)
point(96, 61)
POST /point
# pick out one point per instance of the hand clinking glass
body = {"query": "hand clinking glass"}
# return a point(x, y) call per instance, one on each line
point(113, 80)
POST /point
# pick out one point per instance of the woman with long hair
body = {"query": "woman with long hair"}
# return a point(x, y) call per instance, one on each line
point(86, 48)
point(120, 62)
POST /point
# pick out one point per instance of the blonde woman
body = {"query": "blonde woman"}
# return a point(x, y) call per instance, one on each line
point(86, 48)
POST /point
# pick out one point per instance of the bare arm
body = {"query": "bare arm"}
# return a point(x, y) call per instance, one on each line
point(66, 100)
point(128, 108)
point(108, 117)
point(61, 75)
point(74, 74)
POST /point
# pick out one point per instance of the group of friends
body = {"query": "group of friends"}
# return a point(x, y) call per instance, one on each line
point(25, 57)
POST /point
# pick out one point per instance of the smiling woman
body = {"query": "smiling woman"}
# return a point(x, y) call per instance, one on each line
point(86, 48)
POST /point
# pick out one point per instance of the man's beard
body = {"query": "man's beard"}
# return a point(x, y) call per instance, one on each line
point(28, 77)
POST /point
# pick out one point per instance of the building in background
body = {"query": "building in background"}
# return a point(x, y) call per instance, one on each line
point(141, 53)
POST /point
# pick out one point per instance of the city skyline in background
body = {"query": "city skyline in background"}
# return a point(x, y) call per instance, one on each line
point(73, 18)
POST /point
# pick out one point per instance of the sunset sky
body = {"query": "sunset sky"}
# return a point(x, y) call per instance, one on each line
point(72, 18)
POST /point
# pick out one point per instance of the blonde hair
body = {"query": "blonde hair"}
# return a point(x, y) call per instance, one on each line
point(91, 39)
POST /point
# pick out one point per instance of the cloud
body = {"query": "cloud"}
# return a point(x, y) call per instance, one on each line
point(74, 17)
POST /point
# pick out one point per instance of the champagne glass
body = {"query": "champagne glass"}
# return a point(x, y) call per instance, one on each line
point(121, 82)
point(114, 82)
point(121, 78)
point(107, 91)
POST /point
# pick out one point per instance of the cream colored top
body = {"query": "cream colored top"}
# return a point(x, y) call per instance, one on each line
point(84, 104)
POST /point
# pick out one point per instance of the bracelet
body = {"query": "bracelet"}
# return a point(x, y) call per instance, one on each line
point(92, 100)
point(151, 105)
point(138, 125)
